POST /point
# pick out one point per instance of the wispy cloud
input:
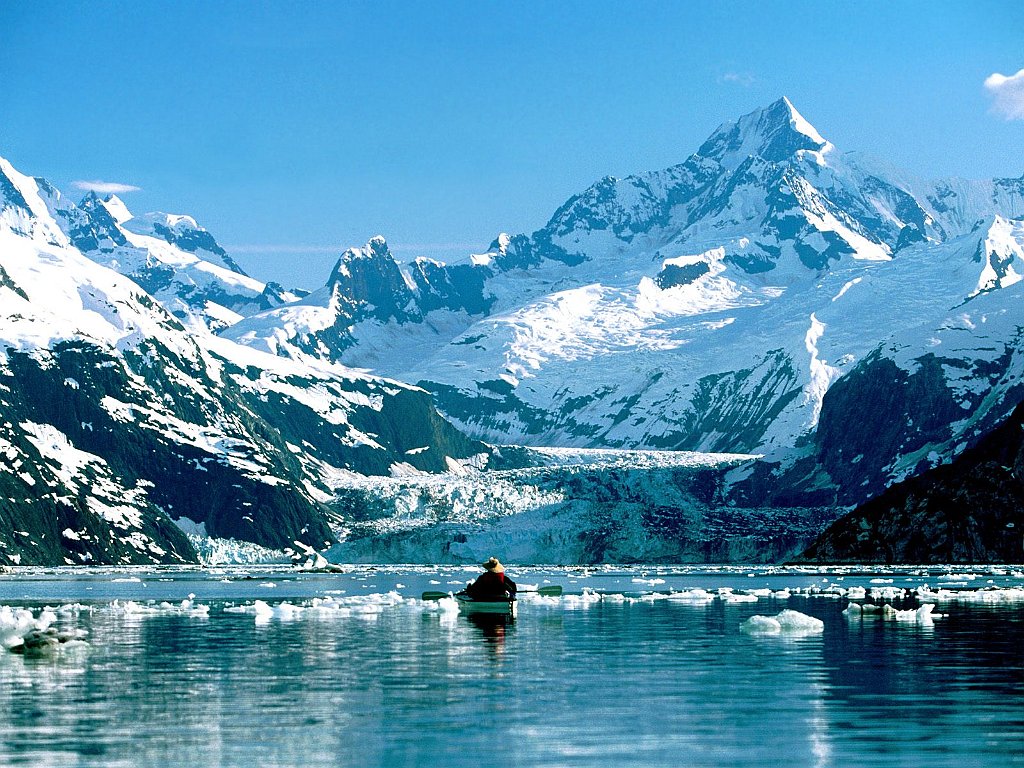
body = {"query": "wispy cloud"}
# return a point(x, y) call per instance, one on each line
point(435, 247)
point(291, 248)
point(257, 248)
point(738, 78)
point(1008, 94)
point(105, 187)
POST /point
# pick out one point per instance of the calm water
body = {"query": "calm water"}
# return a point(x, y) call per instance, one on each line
point(376, 680)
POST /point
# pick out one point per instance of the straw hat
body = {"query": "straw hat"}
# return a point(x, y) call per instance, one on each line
point(494, 566)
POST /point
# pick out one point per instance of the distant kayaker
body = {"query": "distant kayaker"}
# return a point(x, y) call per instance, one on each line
point(493, 584)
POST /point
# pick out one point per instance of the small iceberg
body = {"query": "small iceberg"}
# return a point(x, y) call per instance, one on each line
point(22, 632)
point(788, 621)
point(922, 615)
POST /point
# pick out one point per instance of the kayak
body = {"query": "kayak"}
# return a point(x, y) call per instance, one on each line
point(469, 605)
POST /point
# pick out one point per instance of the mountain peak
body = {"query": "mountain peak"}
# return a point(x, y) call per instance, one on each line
point(115, 207)
point(375, 247)
point(775, 133)
point(178, 230)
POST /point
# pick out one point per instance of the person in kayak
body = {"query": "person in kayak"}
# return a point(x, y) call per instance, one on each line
point(492, 585)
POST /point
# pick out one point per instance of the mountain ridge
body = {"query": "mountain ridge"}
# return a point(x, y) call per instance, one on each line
point(763, 298)
point(739, 301)
point(119, 420)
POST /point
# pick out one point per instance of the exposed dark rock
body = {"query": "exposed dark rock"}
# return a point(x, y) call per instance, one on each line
point(968, 511)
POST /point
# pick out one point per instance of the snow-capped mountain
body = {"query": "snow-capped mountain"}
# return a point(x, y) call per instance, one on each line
point(117, 419)
point(833, 325)
point(177, 261)
point(746, 300)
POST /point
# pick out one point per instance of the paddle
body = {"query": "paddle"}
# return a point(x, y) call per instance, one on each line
point(552, 591)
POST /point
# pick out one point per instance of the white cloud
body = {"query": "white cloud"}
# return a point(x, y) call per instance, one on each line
point(105, 187)
point(738, 78)
point(1008, 92)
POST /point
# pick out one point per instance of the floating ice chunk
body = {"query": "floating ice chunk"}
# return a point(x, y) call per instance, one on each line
point(887, 593)
point(365, 606)
point(692, 595)
point(788, 621)
point(730, 597)
point(761, 625)
point(649, 582)
point(584, 600)
point(282, 611)
point(129, 608)
point(794, 621)
point(996, 595)
point(444, 605)
point(922, 615)
point(15, 623)
point(21, 631)
point(185, 608)
point(69, 609)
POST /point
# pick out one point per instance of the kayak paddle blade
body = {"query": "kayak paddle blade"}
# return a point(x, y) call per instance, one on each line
point(434, 596)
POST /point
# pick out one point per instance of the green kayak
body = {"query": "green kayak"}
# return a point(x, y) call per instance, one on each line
point(469, 605)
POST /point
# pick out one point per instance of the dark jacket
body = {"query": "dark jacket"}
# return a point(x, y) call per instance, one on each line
point(492, 587)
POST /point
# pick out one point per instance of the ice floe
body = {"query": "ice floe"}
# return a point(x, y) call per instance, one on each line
point(922, 615)
point(367, 606)
point(788, 621)
point(21, 631)
point(131, 608)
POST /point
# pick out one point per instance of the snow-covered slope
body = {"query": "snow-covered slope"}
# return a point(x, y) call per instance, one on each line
point(116, 419)
point(174, 259)
point(709, 306)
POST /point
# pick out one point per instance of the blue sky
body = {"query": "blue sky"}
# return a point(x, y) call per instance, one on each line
point(292, 130)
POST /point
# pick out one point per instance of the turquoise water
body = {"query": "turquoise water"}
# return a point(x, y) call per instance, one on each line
point(372, 676)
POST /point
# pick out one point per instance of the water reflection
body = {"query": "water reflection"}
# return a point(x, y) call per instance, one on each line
point(658, 682)
point(493, 628)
